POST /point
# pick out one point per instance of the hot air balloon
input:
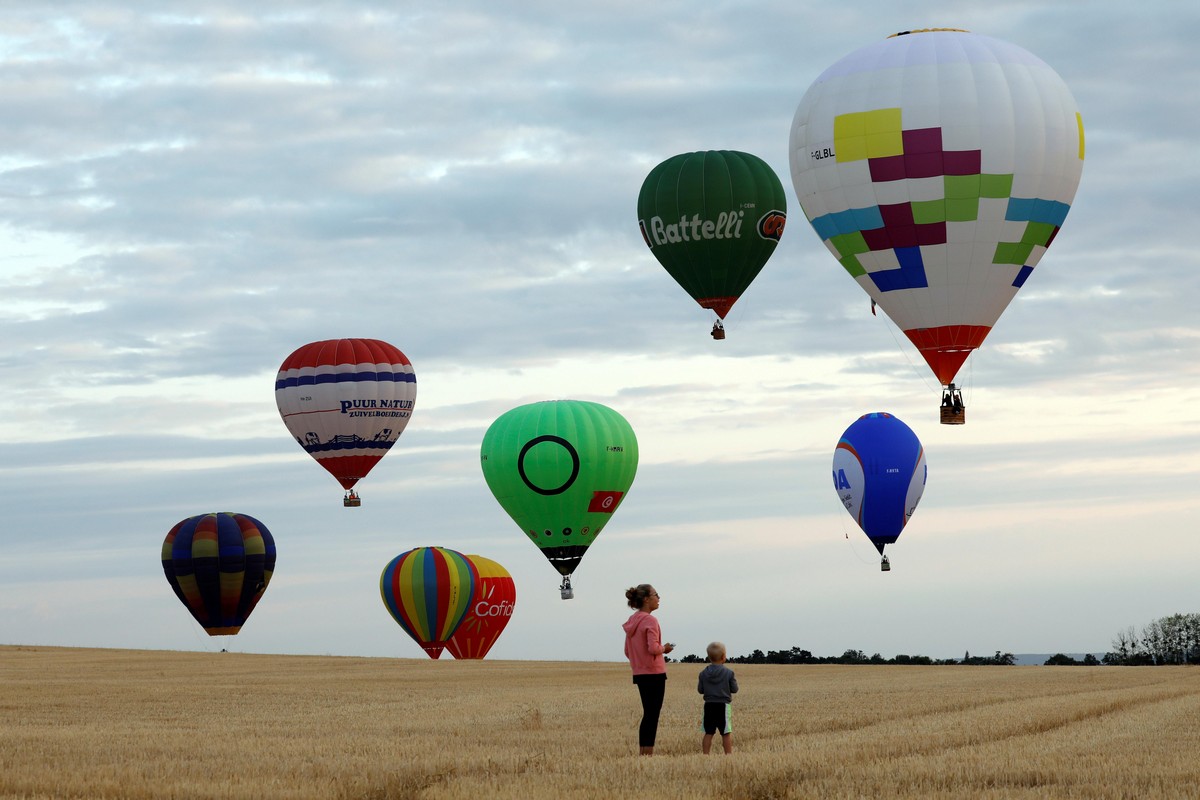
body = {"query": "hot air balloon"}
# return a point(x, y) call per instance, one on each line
point(712, 219)
point(428, 590)
point(937, 166)
point(346, 401)
point(560, 468)
point(491, 609)
point(219, 566)
point(879, 473)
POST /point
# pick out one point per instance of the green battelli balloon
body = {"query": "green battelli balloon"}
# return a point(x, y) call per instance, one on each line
point(560, 469)
point(712, 219)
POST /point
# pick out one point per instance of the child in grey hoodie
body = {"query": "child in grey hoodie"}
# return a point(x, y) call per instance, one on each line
point(718, 685)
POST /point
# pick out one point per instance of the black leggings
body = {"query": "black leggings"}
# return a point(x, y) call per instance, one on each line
point(652, 689)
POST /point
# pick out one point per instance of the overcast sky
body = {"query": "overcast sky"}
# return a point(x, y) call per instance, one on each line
point(185, 198)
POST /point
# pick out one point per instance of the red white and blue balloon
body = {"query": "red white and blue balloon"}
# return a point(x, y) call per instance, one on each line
point(346, 401)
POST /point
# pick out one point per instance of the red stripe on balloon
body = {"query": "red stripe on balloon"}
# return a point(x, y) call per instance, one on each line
point(945, 348)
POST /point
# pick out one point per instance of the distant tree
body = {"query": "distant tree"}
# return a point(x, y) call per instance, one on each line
point(756, 657)
point(1090, 660)
point(999, 659)
point(1173, 639)
point(1060, 660)
point(1125, 646)
point(853, 657)
point(800, 656)
point(906, 659)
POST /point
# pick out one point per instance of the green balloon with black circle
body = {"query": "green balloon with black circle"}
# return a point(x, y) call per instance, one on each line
point(560, 468)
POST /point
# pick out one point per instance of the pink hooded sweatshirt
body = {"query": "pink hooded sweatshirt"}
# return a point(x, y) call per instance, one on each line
point(643, 644)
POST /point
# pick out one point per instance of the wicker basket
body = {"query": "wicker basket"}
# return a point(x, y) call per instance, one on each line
point(954, 415)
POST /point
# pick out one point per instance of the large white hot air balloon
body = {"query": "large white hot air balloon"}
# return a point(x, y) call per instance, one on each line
point(937, 166)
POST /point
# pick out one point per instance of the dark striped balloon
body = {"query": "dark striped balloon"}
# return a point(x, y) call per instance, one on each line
point(219, 565)
point(428, 591)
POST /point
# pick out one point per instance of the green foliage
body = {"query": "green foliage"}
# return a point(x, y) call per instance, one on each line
point(1174, 639)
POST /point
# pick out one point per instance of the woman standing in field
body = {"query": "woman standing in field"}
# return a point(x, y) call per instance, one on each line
point(645, 650)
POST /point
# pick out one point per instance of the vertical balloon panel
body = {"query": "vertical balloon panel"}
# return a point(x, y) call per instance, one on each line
point(219, 566)
point(428, 590)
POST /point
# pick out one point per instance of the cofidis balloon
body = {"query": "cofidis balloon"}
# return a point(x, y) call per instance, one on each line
point(491, 609)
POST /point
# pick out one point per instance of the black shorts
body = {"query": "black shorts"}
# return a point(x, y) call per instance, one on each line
point(718, 718)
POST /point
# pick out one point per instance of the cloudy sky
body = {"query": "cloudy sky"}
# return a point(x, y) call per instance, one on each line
point(186, 197)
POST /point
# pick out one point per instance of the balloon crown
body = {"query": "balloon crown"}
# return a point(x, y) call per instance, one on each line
point(928, 30)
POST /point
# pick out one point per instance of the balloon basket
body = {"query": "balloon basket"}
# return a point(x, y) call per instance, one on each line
point(565, 591)
point(954, 411)
point(718, 331)
point(954, 416)
point(885, 565)
point(351, 502)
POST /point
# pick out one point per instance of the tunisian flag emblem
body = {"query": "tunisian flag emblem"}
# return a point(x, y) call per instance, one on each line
point(605, 502)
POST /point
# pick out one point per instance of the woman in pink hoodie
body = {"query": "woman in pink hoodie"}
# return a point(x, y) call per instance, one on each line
point(645, 650)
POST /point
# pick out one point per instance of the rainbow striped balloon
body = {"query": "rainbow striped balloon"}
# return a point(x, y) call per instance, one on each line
point(428, 591)
point(219, 566)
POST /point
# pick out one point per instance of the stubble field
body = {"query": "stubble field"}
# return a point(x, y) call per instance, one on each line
point(153, 724)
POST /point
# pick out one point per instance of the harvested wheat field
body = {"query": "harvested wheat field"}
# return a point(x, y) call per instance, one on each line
point(151, 724)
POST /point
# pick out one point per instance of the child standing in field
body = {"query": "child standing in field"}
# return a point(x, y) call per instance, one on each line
point(718, 685)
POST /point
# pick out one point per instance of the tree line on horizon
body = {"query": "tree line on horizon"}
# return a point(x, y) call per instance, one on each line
point(798, 655)
point(1173, 639)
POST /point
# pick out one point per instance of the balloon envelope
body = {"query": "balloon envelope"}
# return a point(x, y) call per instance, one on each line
point(712, 219)
point(879, 473)
point(937, 167)
point(490, 611)
point(428, 590)
point(219, 566)
point(560, 468)
point(346, 401)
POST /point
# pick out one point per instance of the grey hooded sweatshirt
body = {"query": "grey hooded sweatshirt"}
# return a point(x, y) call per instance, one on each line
point(717, 684)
